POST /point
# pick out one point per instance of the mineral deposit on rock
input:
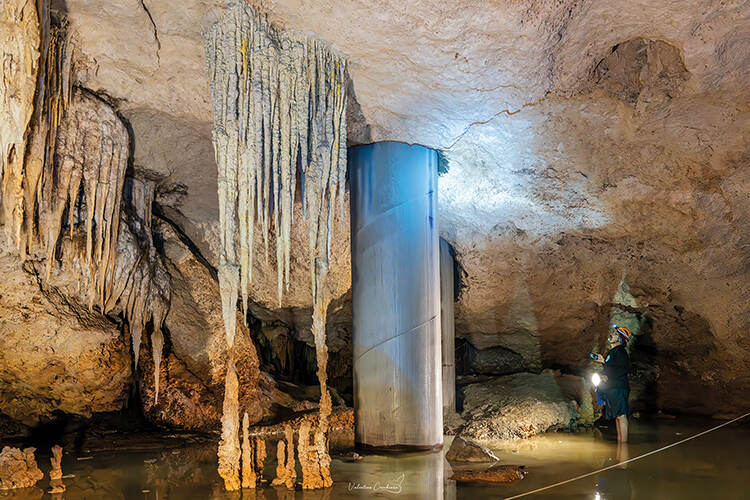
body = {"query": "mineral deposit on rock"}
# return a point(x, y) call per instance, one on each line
point(18, 468)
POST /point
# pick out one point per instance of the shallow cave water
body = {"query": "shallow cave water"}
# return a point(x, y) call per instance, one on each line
point(159, 465)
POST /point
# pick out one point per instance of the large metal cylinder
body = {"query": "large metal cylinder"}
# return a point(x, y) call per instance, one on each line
point(396, 296)
point(447, 325)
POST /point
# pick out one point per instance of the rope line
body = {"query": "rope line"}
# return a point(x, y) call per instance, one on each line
point(626, 461)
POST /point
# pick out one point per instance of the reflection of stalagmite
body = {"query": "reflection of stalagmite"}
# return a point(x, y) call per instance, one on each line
point(286, 475)
point(229, 446)
point(278, 103)
point(316, 466)
point(280, 463)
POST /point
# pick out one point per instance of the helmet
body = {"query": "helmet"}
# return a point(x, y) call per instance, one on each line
point(624, 334)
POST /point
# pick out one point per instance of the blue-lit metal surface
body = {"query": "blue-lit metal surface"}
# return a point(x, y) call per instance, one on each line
point(396, 296)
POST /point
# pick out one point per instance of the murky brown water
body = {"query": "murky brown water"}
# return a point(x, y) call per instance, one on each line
point(184, 467)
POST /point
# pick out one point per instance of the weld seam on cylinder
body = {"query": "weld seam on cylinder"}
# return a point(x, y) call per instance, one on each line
point(410, 330)
point(386, 212)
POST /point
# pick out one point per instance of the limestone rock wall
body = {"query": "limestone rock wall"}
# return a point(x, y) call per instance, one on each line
point(55, 355)
point(589, 145)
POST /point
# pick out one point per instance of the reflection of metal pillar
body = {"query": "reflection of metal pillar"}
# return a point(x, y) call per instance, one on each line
point(447, 326)
point(396, 296)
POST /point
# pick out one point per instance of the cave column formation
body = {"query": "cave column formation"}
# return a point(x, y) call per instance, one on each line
point(396, 296)
point(447, 327)
point(279, 101)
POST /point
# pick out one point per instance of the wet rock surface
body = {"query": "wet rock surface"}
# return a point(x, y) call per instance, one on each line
point(516, 406)
point(466, 451)
point(494, 474)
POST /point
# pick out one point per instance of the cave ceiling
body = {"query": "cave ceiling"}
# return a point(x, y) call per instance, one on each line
point(604, 135)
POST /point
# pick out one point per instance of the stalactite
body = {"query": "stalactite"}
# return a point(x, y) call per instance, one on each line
point(279, 100)
point(20, 36)
point(66, 152)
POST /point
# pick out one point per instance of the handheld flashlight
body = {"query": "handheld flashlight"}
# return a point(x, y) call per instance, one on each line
point(596, 379)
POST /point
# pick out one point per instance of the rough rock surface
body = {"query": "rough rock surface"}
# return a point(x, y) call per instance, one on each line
point(494, 360)
point(466, 451)
point(76, 361)
point(194, 365)
point(587, 142)
point(515, 406)
point(493, 474)
point(18, 468)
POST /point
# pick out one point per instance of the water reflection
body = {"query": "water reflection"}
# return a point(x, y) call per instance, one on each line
point(185, 468)
point(417, 475)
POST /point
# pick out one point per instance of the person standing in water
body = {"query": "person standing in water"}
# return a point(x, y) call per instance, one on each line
point(615, 386)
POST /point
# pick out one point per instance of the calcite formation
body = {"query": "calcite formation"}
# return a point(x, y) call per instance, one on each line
point(229, 447)
point(253, 455)
point(496, 474)
point(249, 476)
point(55, 473)
point(516, 406)
point(76, 362)
point(65, 155)
point(278, 105)
point(286, 474)
point(18, 468)
point(19, 47)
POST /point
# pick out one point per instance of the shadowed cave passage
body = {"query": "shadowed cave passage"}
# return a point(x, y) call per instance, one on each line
point(281, 249)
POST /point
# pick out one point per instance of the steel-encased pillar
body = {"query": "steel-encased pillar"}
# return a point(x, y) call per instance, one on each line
point(396, 296)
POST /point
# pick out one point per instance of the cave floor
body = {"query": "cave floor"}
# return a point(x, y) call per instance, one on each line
point(153, 466)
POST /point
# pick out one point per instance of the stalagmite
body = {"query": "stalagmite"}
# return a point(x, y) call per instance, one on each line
point(55, 473)
point(259, 446)
point(18, 469)
point(286, 474)
point(229, 446)
point(249, 477)
point(279, 101)
point(157, 345)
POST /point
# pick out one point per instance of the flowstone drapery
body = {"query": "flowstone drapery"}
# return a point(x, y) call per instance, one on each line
point(279, 102)
point(63, 175)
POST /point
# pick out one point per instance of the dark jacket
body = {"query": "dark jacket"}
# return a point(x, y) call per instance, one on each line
point(616, 366)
